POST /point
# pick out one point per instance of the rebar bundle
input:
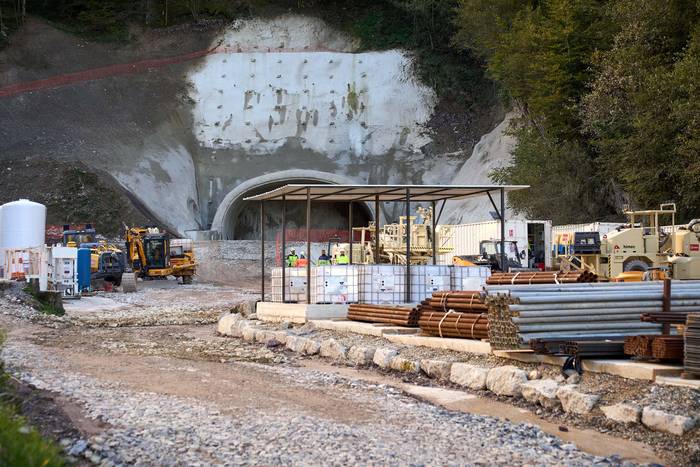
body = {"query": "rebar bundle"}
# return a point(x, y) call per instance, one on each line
point(691, 359)
point(385, 314)
point(639, 346)
point(459, 314)
point(540, 277)
point(519, 314)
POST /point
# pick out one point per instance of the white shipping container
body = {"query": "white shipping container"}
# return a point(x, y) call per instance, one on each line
point(467, 237)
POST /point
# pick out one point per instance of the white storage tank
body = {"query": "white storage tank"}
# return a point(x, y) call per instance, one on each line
point(22, 224)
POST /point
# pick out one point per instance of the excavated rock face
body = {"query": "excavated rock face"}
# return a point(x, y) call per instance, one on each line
point(238, 110)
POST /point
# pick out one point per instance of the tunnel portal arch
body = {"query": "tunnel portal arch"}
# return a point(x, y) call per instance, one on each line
point(233, 206)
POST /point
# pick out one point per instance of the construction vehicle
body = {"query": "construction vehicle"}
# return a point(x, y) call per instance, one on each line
point(490, 255)
point(107, 262)
point(637, 246)
point(152, 254)
point(684, 253)
point(392, 241)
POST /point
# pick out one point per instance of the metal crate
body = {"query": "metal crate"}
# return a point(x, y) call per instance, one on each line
point(469, 277)
point(382, 284)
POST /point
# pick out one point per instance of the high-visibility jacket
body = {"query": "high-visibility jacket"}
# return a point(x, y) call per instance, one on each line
point(324, 260)
point(342, 259)
point(292, 260)
point(302, 262)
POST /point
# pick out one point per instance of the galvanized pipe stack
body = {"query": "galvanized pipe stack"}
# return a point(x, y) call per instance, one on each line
point(519, 314)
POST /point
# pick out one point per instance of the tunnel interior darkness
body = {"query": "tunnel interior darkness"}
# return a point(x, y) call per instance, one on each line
point(244, 218)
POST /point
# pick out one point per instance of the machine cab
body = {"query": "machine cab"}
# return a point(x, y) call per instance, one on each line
point(157, 250)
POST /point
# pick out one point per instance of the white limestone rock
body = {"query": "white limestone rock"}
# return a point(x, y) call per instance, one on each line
point(470, 376)
point(623, 412)
point(361, 354)
point(576, 402)
point(383, 357)
point(438, 369)
point(506, 380)
point(659, 420)
point(541, 391)
point(331, 348)
point(405, 365)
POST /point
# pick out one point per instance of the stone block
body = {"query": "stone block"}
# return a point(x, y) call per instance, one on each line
point(659, 420)
point(438, 369)
point(248, 333)
point(331, 348)
point(223, 327)
point(405, 365)
point(296, 343)
point(505, 380)
point(573, 401)
point(361, 354)
point(383, 357)
point(622, 412)
point(471, 376)
point(312, 347)
point(541, 391)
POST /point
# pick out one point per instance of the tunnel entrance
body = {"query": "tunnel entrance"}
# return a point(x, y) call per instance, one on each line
point(237, 219)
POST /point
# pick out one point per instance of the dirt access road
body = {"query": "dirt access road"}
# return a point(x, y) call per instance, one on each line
point(181, 395)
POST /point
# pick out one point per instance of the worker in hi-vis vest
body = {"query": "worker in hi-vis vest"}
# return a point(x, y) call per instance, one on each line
point(324, 259)
point(342, 258)
point(292, 258)
point(302, 262)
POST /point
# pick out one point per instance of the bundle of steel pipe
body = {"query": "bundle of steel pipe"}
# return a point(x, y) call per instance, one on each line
point(667, 348)
point(672, 317)
point(540, 277)
point(519, 313)
point(386, 314)
point(691, 360)
point(454, 324)
point(462, 301)
point(639, 346)
point(594, 348)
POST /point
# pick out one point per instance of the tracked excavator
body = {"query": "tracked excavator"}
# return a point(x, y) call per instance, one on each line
point(152, 254)
point(107, 261)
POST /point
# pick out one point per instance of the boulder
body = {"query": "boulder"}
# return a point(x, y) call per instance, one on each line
point(312, 347)
point(438, 369)
point(405, 365)
point(541, 391)
point(659, 420)
point(505, 380)
point(361, 354)
point(296, 343)
point(225, 322)
point(271, 338)
point(622, 412)
point(238, 327)
point(383, 357)
point(471, 376)
point(534, 374)
point(331, 348)
point(574, 401)
point(248, 333)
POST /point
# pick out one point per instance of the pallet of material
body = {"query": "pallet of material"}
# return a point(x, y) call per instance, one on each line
point(540, 277)
point(384, 314)
point(459, 314)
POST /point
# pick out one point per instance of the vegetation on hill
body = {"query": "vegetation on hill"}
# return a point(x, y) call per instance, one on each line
point(606, 89)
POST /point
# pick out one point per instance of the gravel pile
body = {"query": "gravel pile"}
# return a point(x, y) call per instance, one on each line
point(152, 429)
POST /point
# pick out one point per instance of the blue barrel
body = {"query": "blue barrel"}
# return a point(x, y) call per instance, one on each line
point(84, 269)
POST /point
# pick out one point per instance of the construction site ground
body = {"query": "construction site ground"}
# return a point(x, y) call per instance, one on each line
point(145, 379)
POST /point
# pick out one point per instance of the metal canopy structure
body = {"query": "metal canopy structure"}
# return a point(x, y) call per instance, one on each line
point(377, 194)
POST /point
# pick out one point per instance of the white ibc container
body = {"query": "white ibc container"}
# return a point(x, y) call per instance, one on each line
point(295, 285)
point(428, 279)
point(382, 284)
point(469, 277)
point(22, 224)
point(334, 284)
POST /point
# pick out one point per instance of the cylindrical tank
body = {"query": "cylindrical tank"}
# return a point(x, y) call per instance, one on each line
point(84, 257)
point(22, 224)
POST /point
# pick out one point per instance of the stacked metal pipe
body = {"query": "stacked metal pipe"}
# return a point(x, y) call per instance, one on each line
point(458, 314)
point(519, 314)
point(384, 314)
point(692, 346)
point(540, 277)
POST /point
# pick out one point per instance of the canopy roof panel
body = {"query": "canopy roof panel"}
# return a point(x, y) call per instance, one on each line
point(299, 192)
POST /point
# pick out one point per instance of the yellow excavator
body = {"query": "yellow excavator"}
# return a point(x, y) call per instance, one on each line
point(152, 254)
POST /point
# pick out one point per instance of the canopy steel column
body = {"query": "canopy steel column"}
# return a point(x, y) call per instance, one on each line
point(284, 248)
point(308, 245)
point(262, 251)
point(434, 218)
point(408, 245)
point(504, 265)
point(349, 229)
point(376, 230)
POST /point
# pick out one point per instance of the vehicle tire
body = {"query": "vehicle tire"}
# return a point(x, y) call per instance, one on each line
point(186, 280)
point(117, 281)
point(128, 282)
point(635, 265)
